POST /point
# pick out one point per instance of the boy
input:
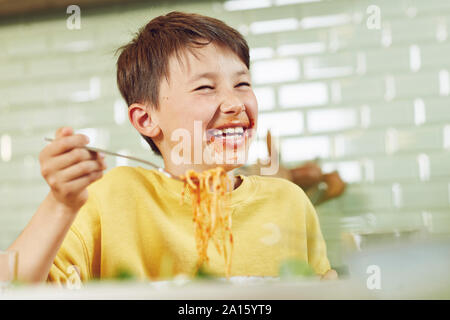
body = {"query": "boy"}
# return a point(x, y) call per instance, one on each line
point(182, 74)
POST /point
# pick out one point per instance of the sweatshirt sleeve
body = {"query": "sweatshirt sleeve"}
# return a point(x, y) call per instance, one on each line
point(79, 254)
point(317, 251)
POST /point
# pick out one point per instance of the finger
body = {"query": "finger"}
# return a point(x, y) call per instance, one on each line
point(64, 144)
point(101, 159)
point(79, 170)
point(70, 158)
point(330, 275)
point(63, 131)
point(100, 155)
point(79, 184)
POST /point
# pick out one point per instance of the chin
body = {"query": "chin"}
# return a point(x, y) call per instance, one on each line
point(228, 167)
point(227, 158)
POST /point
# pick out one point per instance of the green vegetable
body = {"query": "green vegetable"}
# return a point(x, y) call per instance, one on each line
point(202, 273)
point(123, 274)
point(295, 268)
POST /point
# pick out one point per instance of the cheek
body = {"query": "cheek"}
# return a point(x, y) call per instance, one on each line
point(203, 110)
point(252, 106)
point(193, 117)
point(182, 112)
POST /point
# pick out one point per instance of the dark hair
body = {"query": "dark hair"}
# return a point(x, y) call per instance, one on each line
point(145, 60)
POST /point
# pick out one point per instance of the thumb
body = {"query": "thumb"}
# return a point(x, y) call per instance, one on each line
point(63, 131)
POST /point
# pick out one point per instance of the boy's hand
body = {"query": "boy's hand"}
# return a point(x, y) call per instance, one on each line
point(330, 275)
point(69, 169)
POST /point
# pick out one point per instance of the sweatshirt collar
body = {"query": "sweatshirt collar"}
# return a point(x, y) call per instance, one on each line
point(175, 187)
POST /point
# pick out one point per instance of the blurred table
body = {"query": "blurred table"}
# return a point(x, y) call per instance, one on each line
point(201, 290)
point(405, 270)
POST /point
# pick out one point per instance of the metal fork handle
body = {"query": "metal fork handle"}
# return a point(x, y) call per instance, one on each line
point(95, 149)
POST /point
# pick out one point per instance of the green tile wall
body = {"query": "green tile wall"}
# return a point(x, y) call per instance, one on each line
point(393, 83)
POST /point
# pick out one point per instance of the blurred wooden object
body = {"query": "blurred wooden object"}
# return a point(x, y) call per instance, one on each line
point(15, 8)
point(319, 186)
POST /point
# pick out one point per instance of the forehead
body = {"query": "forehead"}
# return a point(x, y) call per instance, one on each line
point(205, 59)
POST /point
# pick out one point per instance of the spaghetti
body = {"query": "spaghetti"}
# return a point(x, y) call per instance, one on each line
point(212, 218)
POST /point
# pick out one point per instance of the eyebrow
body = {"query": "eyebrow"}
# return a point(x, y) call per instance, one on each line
point(212, 75)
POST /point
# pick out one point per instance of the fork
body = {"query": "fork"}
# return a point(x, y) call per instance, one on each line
point(94, 149)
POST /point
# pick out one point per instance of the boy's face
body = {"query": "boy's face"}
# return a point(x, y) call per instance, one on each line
point(207, 110)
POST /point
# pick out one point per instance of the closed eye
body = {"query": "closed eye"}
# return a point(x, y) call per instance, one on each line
point(243, 84)
point(203, 87)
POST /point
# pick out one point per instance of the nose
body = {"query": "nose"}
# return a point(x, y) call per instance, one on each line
point(232, 108)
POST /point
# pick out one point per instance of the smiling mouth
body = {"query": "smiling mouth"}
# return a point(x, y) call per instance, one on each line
point(233, 136)
point(229, 132)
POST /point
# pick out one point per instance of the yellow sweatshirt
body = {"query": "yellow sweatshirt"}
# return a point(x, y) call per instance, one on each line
point(134, 222)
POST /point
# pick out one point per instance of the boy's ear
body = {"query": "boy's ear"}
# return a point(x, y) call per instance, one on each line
point(143, 120)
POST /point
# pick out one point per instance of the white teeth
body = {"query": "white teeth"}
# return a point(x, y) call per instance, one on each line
point(228, 131)
point(239, 130)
